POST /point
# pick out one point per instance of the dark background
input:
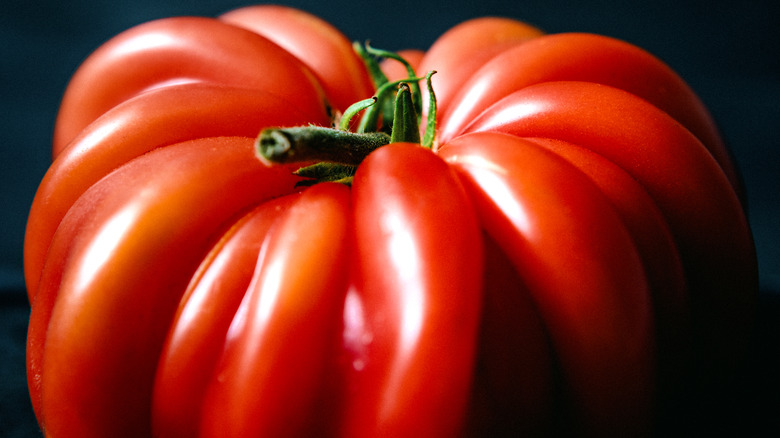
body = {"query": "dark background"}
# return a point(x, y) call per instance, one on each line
point(726, 50)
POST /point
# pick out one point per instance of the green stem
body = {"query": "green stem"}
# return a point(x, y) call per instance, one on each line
point(306, 143)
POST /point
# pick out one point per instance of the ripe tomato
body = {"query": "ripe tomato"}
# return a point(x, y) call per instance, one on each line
point(563, 258)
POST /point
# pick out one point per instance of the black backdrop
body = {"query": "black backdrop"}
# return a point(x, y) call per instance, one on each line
point(727, 50)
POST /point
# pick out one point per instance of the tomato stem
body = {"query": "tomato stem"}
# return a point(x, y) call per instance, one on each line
point(337, 150)
point(306, 143)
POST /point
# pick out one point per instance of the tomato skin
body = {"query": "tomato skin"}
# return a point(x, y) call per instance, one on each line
point(543, 270)
point(513, 391)
point(660, 257)
point(650, 232)
point(285, 375)
point(527, 198)
point(589, 58)
point(417, 279)
point(197, 336)
point(178, 50)
point(144, 208)
point(674, 167)
point(316, 43)
point(459, 52)
point(137, 126)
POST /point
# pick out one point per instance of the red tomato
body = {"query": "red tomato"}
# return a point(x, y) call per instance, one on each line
point(584, 57)
point(574, 239)
point(134, 127)
point(678, 172)
point(460, 51)
point(321, 47)
point(178, 50)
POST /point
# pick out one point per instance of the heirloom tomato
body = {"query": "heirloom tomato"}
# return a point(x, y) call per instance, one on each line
point(218, 249)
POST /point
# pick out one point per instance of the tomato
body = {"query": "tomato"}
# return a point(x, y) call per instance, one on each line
point(597, 259)
point(322, 48)
point(457, 53)
point(184, 50)
point(134, 127)
point(610, 122)
point(567, 256)
point(591, 58)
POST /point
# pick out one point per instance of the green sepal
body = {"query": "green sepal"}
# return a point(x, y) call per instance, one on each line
point(405, 125)
point(386, 108)
point(325, 172)
point(430, 124)
point(378, 77)
point(353, 109)
point(411, 75)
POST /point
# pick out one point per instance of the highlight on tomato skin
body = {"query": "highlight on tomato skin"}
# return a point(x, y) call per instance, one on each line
point(138, 125)
point(173, 51)
point(322, 47)
point(253, 226)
